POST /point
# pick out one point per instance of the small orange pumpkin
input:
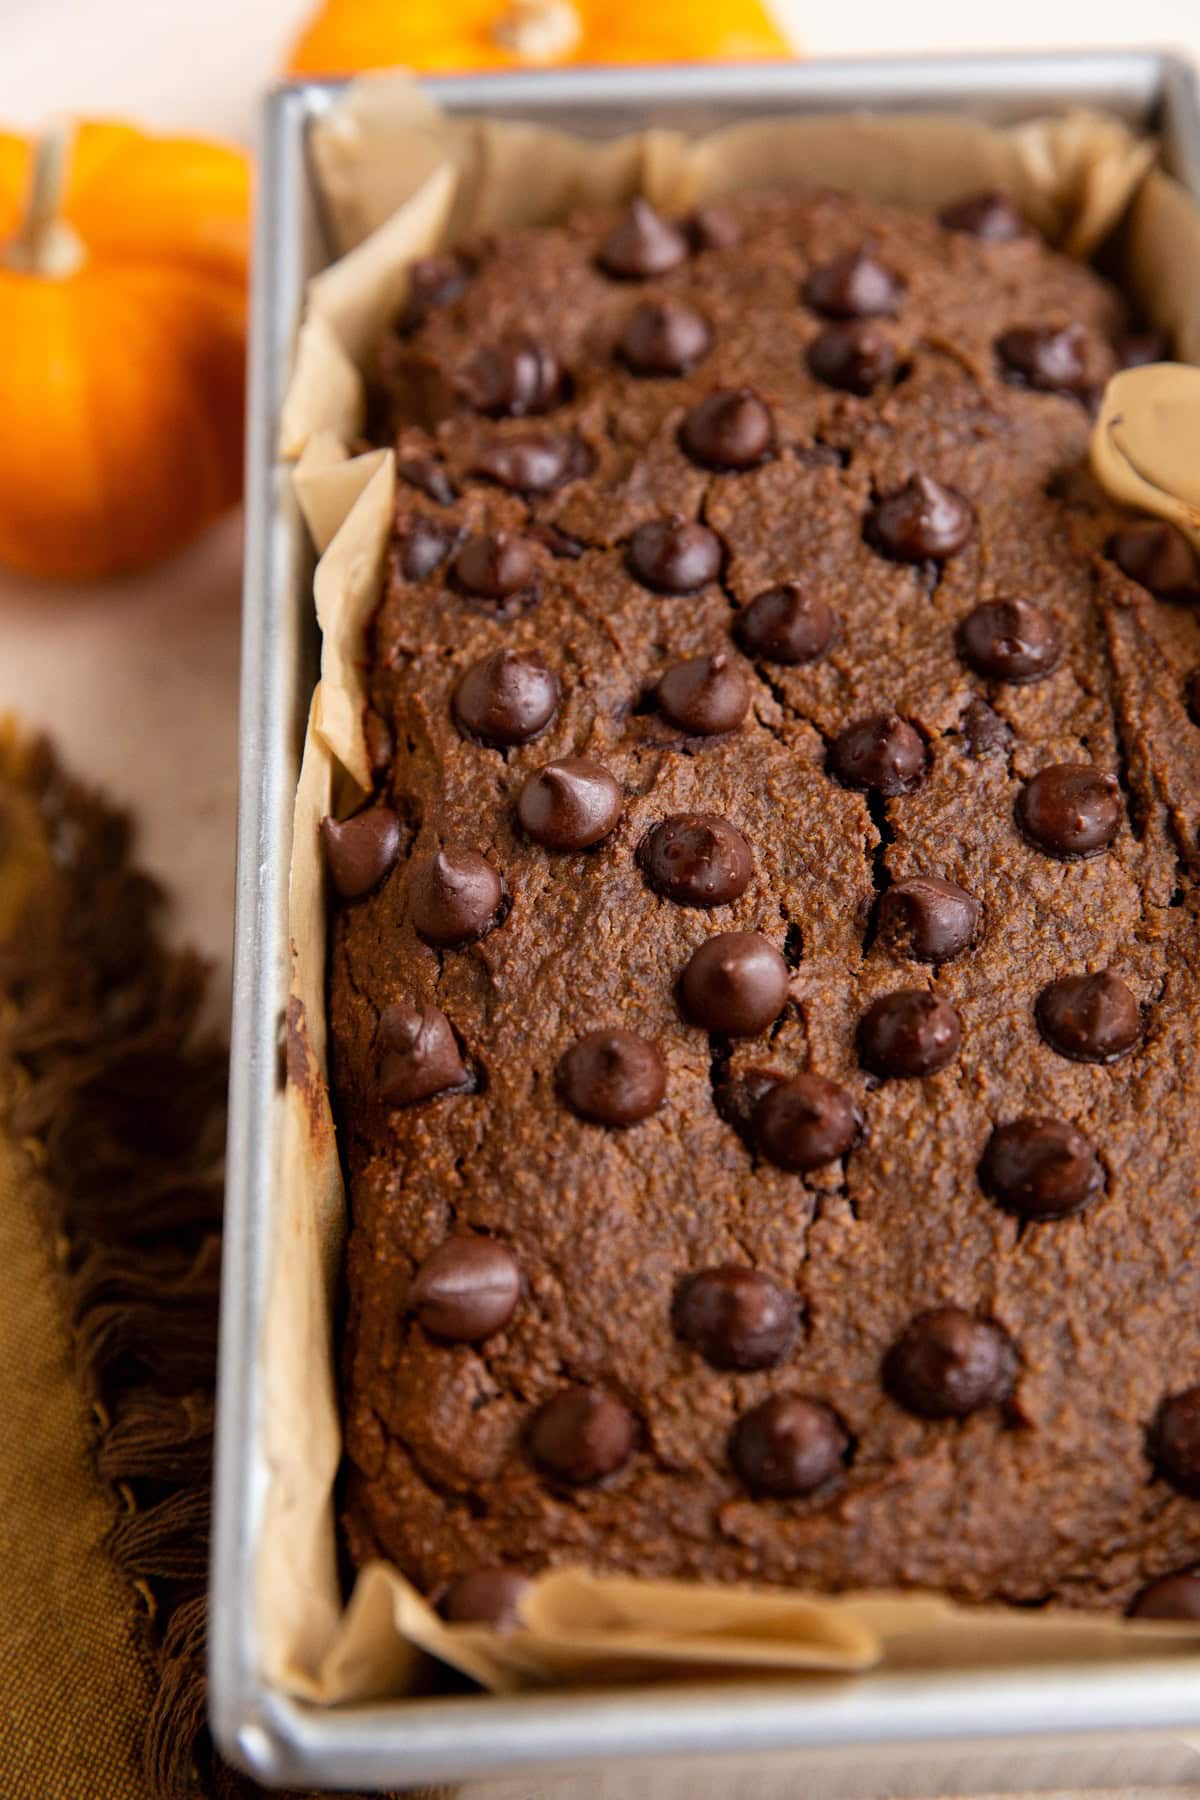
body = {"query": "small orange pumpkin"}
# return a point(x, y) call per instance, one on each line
point(440, 36)
point(122, 312)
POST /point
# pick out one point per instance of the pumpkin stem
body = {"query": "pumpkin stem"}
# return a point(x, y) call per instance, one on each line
point(539, 31)
point(45, 244)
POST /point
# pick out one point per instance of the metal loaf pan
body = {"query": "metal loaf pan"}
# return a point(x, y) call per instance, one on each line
point(958, 1731)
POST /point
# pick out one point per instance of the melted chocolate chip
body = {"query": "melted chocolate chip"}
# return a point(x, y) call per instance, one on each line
point(674, 555)
point(987, 734)
point(535, 465)
point(735, 983)
point(454, 897)
point(786, 624)
point(1040, 1168)
point(921, 522)
point(926, 919)
point(736, 1318)
point(612, 1077)
point(1157, 556)
point(989, 216)
point(664, 337)
point(1070, 810)
point(1090, 1018)
point(558, 543)
point(514, 378)
point(696, 859)
point(486, 1597)
point(712, 228)
point(570, 804)
point(1010, 640)
point(643, 244)
point(429, 477)
point(1170, 1597)
point(361, 850)
point(1191, 696)
point(883, 753)
point(731, 428)
point(466, 1290)
point(495, 565)
point(506, 699)
point(420, 1056)
point(1175, 1441)
point(704, 695)
point(787, 1447)
point(1051, 358)
point(854, 286)
point(806, 1122)
point(425, 546)
point(908, 1033)
point(736, 1097)
point(433, 281)
point(948, 1363)
point(854, 356)
point(381, 745)
point(581, 1435)
point(1136, 349)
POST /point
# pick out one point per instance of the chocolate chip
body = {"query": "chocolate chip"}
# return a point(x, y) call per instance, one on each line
point(1090, 1018)
point(854, 286)
point(1135, 349)
point(429, 477)
point(581, 1435)
point(1170, 1597)
point(361, 850)
point(854, 356)
point(454, 897)
point(420, 1056)
point(909, 1033)
point(642, 244)
point(674, 555)
point(1191, 695)
point(736, 1318)
point(806, 1122)
point(570, 804)
point(985, 731)
point(1010, 640)
point(927, 919)
point(736, 1097)
point(514, 378)
point(948, 1363)
point(486, 1597)
point(787, 1447)
point(1156, 555)
point(1051, 358)
point(883, 753)
point(735, 983)
point(425, 545)
point(712, 228)
point(704, 695)
point(1175, 1441)
point(612, 1077)
point(731, 428)
point(920, 522)
point(466, 1290)
point(1040, 1168)
point(535, 465)
point(664, 337)
point(495, 564)
point(506, 699)
point(1070, 810)
point(433, 281)
point(990, 216)
point(696, 859)
point(786, 624)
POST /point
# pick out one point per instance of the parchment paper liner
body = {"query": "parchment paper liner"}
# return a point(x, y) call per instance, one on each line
point(401, 179)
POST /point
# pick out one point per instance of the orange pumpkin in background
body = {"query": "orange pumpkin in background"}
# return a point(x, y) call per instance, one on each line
point(122, 315)
point(441, 36)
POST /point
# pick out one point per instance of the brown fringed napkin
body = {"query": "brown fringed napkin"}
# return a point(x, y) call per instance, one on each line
point(111, 1131)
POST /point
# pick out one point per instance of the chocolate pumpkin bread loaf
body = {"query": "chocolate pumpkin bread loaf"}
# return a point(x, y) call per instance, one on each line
point(765, 984)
